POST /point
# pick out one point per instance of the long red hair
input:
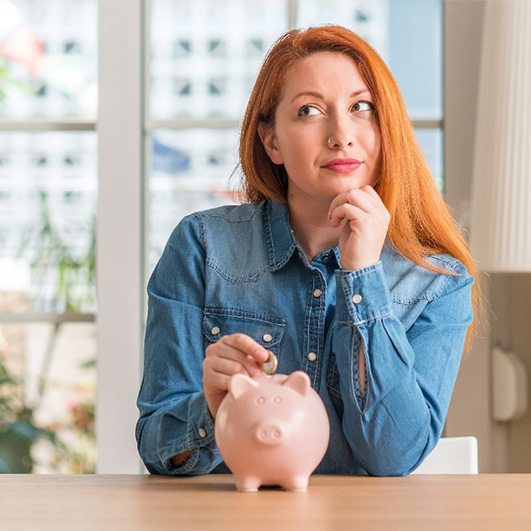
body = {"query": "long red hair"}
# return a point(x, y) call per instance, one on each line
point(421, 223)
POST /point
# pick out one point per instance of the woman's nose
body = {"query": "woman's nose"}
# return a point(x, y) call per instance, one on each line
point(337, 142)
point(340, 135)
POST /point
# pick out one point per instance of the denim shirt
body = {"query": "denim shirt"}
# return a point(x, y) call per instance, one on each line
point(240, 269)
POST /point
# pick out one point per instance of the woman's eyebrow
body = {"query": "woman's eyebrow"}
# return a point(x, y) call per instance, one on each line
point(319, 96)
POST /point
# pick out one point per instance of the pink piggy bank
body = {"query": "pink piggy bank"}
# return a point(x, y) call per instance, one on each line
point(272, 430)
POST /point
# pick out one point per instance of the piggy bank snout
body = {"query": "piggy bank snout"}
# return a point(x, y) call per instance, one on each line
point(268, 433)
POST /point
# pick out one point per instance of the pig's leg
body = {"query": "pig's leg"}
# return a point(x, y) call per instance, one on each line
point(296, 483)
point(247, 483)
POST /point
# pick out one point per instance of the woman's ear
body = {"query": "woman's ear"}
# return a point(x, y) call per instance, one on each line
point(269, 141)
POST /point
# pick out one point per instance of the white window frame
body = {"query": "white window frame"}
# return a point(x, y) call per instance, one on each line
point(120, 234)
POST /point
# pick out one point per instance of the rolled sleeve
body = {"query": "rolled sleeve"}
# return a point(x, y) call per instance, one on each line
point(200, 439)
point(174, 416)
point(410, 373)
point(362, 295)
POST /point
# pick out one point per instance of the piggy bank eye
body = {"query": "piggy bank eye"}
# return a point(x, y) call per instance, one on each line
point(260, 400)
point(277, 400)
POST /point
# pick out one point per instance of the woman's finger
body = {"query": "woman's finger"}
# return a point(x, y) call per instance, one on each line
point(247, 345)
point(347, 212)
point(231, 366)
point(357, 197)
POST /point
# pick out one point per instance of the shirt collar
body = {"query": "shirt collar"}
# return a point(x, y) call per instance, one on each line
point(280, 240)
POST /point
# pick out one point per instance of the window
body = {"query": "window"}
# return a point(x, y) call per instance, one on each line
point(48, 197)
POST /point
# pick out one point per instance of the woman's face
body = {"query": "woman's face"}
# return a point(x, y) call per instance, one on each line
point(325, 134)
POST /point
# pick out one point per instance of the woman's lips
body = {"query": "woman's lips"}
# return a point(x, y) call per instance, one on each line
point(343, 165)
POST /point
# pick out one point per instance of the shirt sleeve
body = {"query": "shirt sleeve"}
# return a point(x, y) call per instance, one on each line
point(409, 374)
point(174, 416)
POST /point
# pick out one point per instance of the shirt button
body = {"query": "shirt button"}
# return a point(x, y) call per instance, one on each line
point(267, 338)
point(312, 356)
point(215, 331)
point(317, 293)
point(356, 299)
point(202, 433)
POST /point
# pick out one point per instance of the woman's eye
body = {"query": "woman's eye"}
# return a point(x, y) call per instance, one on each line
point(363, 106)
point(307, 110)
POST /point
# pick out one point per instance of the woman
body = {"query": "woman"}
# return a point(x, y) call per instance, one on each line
point(344, 262)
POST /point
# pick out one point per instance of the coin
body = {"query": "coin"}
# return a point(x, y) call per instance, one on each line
point(270, 365)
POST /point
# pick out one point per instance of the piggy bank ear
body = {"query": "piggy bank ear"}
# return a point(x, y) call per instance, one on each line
point(299, 381)
point(239, 384)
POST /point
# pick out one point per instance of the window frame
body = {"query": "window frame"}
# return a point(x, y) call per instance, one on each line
point(120, 249)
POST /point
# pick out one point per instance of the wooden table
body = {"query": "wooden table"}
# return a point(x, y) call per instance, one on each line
point(127, 502)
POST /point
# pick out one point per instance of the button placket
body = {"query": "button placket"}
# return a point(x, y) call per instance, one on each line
point(315, 326)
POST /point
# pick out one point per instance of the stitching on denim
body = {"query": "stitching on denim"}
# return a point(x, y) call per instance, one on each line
point(447, 280)
point(406, 302)
point(451, 262)
point(358, 274)
point(355, 323)
point(331, 376)
point(321, 326)
point(255, 276)
point(307, 324)
point(285, 260)
point(235, 312)
point(214, 215)
point(269, 233)
point(202, 229)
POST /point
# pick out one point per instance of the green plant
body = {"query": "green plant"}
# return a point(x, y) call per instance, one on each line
point(51, 259)
point(18, 432)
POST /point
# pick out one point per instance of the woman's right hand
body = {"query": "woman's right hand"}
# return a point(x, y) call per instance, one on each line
point(232, 354)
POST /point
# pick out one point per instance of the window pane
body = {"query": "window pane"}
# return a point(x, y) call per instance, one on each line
point(406, 33)
point(368, 19)
point(206, 54)
point(416, 56)
point(47, 385)
point(48, 189)
point(431, 141)
point(189, 172)
point(48, 54)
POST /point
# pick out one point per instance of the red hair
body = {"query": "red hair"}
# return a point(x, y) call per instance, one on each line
point(421, 223)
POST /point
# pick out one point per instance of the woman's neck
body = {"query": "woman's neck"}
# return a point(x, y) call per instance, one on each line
point(311, 227)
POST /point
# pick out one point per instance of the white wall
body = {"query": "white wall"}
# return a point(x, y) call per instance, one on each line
point(521, 344)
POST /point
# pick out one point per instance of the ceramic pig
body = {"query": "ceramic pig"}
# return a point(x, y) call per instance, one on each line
point(272, 430)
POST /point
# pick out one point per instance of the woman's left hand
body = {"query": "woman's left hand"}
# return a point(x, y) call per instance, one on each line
point(365, 222)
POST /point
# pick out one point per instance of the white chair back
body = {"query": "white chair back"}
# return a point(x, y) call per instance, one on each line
point(452, 455)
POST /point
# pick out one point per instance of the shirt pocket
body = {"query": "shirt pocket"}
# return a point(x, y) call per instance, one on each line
point(266, 331)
